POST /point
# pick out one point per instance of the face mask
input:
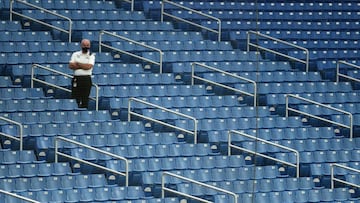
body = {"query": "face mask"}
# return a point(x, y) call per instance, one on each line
point(85, 49)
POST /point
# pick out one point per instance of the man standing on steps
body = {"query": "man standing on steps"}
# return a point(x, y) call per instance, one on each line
point(82, 62)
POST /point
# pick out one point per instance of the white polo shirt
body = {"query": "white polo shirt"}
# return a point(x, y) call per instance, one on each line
point(87, 58)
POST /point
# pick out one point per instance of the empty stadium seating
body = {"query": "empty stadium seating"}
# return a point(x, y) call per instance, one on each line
point(327, 29)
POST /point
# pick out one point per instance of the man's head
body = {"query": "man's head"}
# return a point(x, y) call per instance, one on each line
point(85, 45)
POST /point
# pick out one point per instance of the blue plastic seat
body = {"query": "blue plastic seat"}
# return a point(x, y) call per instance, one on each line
point(11, 157)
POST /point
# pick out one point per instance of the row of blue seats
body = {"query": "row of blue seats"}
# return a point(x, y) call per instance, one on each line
point(323, 97)
point(119, 79)
point(168, 57)
point(321, 170)
point(314, 44)
point(6, 25)
point(66, 129)
point(326, 54)
point(17, 104)
point(9, 93)
point(211, 113)
point(42, 46)
point(327, 156)
point(279, 25)
point(144, 151)
point(146, 35)
point(37, 169)
point(261, 6)
point(58, 116)
point(115, 25)
point(48, 183)
point(297, 87)
point(317, 195)
point(352, 108)
point(45, 57)
point(108, 140)
point(25, 36)
point(178, 45)
point(279, 76)
point(101, 194)
point(43, 144)
point(108, 5)
point(204, 56)
point(18, 71)
point(322, 145)
point(154, 90)
point(241, 123)
point(20, 157)
point(248, 172)
point(326, 65)
point(183, 68)
point(300, 35)
point(250, 186)
point(218, 137)
point(69, 47)
point(270, 15)
point(86, 14)
point(116, 104)
point(144, 165)
point(345, 119)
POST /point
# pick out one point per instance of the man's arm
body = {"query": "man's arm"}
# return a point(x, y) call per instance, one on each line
point(76, 65)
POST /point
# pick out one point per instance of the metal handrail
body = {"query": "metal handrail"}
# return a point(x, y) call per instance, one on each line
point(189, 22)
point(193, 76)
point(39, 21)
point(160, 63)
point(18, 196)
point(126, 174)
point(161, 122)
point(333, 178)
point(34, 66)
point(306, 62)
point(297, 165)
point(338, 74)
point(21, 131)
point(287, 109)
point(163, 188)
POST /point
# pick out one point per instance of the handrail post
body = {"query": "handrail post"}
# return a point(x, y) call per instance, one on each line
point(96, 96)
point(337, 71)
point(162, 11)
point(100, 39)
point(11, 10)
point(192, 73)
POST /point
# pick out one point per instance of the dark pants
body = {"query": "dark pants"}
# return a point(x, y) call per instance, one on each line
point(81, 86)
